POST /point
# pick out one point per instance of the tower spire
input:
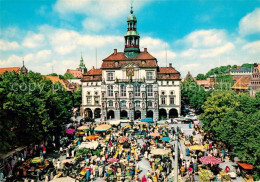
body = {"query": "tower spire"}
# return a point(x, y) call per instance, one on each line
point(131, 37)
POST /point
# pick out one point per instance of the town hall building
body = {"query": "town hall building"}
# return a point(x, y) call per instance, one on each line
point(131, 85)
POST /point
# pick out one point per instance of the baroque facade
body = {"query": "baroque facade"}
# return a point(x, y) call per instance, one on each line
point(131, 85)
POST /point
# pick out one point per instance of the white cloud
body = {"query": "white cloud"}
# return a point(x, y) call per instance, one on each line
point(205, 38)
point(216, 51)
point(99, 13)
point(11, 61)
point(33, 40)
point(6, 45)
point(250, 24)
point(94, 24)
point(253, 47)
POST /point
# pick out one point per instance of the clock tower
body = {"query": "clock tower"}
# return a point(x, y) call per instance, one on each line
point(131, 37)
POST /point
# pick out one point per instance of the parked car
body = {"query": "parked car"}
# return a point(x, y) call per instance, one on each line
point(191, 116)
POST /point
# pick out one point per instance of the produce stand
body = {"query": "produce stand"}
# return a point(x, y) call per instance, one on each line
point(224, 176)
point(205, 175)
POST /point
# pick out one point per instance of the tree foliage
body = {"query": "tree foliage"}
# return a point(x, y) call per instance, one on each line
point(77, 96)
point(235, 120)
point(32, 107)
point(68, 76)
point(194, 95)
point(201, 76)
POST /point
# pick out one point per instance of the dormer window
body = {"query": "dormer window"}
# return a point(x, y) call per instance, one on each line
point(143, 62)
point(116, 64)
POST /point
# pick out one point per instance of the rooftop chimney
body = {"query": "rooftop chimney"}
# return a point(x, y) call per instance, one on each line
point(170, 64)
point(145, 50)
point(93, 67)
point(115, 51)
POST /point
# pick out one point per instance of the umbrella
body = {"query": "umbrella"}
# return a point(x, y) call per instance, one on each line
point(114, 122)
point(159, 152)
point(111, 160)
point(123, 139)
point(83, 128)
point(90, 145)
point(155, 134)
point(142, 123)
point(37, 160)
point(197, 147)
point(167, 139)
point(103, 127)
point(210, 160)
point(67, 161)
point(63, 179)
point(70, 131)
point(92, 137)
point(80, 133)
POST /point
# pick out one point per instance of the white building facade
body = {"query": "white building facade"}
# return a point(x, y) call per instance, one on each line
point(131, 85)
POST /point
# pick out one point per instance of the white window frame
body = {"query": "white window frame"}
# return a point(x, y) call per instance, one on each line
point(163, 100)
point(123, 101)
point(149, 75)
point(137, 104)
point(149, 90)
point(110, 103)
point(89, 100)
point(110, 91)
point(172, 98)
point(137, 90)
point(110, 76)
point(122, 90)
point(150, 103)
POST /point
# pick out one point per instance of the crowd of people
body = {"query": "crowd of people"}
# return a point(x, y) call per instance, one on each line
point(121, 150)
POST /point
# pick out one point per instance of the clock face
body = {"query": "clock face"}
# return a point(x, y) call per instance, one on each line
point(130, 72)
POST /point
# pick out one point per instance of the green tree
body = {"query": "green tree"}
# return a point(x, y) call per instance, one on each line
point(201, 76)
point(235, 120)
point(68, 76)
point(53, 74)
point(77, 96)
point(32, 107)
point(194, 95)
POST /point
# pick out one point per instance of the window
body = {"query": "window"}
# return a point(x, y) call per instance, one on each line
point(149, 75)
point(172, 92)
point(171, 100)
point(110, 103)
point(96, 101)
point(88, 100)
point(110, 76)
point(163, 100)
point(163, 92)
point(137, 104)
point(88, 93)
point(110, 90)
point(150, 90)
point(150, 103)
point(123, 103)
point(137, 90)
point(96, 93)
point(123, 90)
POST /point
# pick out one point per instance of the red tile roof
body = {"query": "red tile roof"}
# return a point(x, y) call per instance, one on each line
point(242, 83)
point(16, 69)
point(94, 71)
point(167, 70)
point(92, 75)
point(144, 59)
point(121, 56)
point(76, 73)
point(168, 73)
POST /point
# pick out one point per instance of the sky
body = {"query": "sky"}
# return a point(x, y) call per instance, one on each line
point(193, 35)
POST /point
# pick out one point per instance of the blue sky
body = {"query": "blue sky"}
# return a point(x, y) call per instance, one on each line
point(198, 34)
